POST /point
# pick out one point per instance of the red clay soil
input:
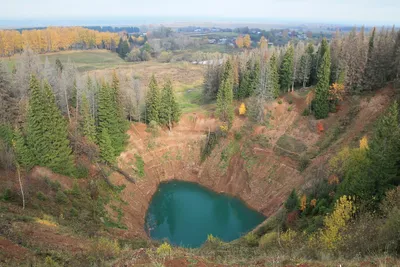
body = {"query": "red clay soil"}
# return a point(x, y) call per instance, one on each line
point(49, 237)
point(9, 250)
point(263, 183)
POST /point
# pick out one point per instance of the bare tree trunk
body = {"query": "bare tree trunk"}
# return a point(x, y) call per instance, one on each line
point(66, 102)
point(20, 185)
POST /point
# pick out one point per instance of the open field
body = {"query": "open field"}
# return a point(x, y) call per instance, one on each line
point(187, 79)
point(85, 60)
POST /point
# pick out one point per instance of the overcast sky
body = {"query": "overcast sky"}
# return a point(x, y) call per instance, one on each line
point(353, 11)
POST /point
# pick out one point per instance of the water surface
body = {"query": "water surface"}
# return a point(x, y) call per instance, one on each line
point(185, 213)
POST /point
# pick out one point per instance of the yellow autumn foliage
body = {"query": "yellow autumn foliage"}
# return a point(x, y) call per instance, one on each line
point(364, 143)
point(303, 203)
point(330, 236)
point(242, 109)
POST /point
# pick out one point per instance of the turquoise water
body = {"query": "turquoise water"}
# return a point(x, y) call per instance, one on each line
point(185, 213)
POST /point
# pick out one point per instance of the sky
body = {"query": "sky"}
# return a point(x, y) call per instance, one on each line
point(329, 11)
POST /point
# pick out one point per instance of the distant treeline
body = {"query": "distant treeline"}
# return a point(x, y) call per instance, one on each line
point(114, 29)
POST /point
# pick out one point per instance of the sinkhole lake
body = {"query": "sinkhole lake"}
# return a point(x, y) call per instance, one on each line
point(186, 213)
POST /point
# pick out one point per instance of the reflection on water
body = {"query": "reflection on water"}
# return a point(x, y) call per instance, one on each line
point(185, 213)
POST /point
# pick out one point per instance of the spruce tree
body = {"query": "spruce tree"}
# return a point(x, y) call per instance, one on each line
point(23, 154)
point(274, 75)
point(109, 118)
point(153, 101)
point(58, 153)
point(245, 82)
point(225, 110)
point(254, 78)
point(169, 108)
point(321, 107)
point(35, 134)
point(107, 152)
point(286, 70)
point(8, 101)
point(47, 136)
point(118, 133)
point(87, 125)
point(369, 72)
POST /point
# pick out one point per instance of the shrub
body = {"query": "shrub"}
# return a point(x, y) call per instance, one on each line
point(53, 185)
point(290, 101)
point(41, 196)
point(290, 108)
point(306, 112)
point(6, 195)
point(49, 262)
point(61, 197)
point(304, 162)
point(164, 250)
point(269, 240)
point(280, 101)
point(81, 171)
point(139, 165)
point(75, 191)
point(104, 248)
point(251, 239)
point(238, 136)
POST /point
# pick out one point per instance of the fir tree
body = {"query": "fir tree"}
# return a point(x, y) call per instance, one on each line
point(321, 107)
point(169, 108)
point(153, 101)
point(225, 110)
point(286, 70)
point(274, 75)
point(87, 125)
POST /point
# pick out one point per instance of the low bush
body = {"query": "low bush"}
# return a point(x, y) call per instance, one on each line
point(41, 196)
point(61, 197)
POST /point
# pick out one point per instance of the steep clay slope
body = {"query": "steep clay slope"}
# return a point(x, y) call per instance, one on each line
point(261, 168)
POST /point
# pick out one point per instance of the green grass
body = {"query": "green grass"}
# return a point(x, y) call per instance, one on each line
point(291, 144)
point(190, 99)
point(85, 60)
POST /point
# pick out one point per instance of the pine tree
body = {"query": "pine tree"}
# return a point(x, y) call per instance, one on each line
point(225, 110)
point(274, 75)
point(321, 107)
point(286, 70)
point(87, 125)
point(107, 152)
point(169, 108)
point(153, 101)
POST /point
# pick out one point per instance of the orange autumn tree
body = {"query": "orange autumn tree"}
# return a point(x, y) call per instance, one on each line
point(247, 41)
point(239, 41)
